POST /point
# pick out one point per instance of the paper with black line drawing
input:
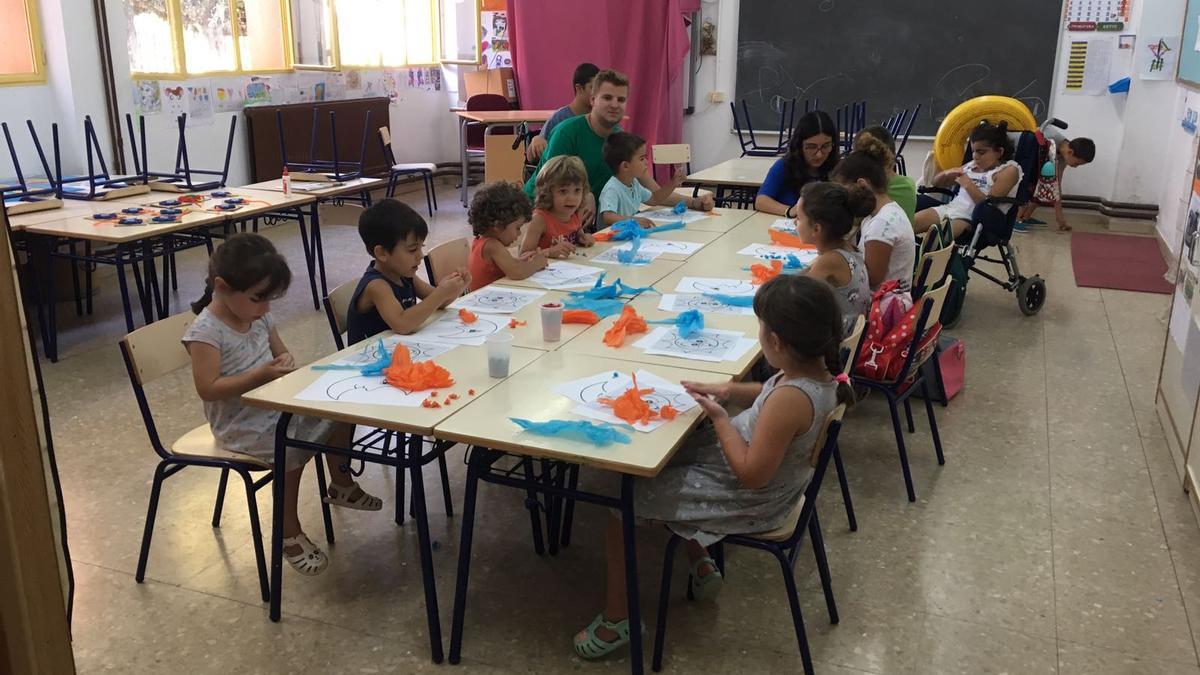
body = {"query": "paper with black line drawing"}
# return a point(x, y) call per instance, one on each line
point(682, 302)
point(774, 252)
point(661, 246)
point(703, 285)
point(587, 391)
point(610, 257)
point(666, 215)
point(784, 225)
point(497, 300)
point(706, 345)
point(451, 328)
point(350, 386)
point(560, 275)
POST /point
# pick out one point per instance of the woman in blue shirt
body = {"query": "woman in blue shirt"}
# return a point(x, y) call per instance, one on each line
point(811, 155)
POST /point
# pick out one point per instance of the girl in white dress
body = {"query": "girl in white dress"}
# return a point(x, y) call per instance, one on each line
point(990, 173)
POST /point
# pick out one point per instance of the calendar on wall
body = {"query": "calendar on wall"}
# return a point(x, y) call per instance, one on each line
point(1098, 11)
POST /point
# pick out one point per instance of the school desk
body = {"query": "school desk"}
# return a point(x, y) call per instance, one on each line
point(69, 208)
point(591, 341)
point(491, 118)
point(689, 234)
point(740, 174)
point(132, 245)
point(630, 275)
point(530, 335)
point(723, 220)
point(468, 367)
point(484, 424)
point(358, 189)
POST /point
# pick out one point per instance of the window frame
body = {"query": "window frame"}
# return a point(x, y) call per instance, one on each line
point(435, 32)
point(33, 29)
point(175, 16)
point(478, 37)
point(334, 67)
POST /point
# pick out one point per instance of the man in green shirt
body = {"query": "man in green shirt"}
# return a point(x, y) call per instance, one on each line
point(584, 137)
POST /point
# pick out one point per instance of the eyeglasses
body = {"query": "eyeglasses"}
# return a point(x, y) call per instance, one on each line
point(814, 148)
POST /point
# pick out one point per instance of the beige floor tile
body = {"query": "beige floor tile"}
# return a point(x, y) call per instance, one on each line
point(1080, 659)
point(950, 646)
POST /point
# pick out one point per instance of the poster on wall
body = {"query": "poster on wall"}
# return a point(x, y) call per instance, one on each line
point(1097, 14)
point(372, 83)
point(1089, 61)
point(391, 83)
point(200, 103)
point(335, 86)
point(227, 95)
point(175, 100)
point(258, 91)
point(494, 37)
point(147, 97)
point(1157, 56)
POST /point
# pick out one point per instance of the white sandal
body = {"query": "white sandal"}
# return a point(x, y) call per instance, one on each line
point(340, 496)
point(310, 561)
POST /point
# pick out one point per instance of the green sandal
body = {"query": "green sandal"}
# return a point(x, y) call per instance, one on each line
point(708, 586)
point(589, 646)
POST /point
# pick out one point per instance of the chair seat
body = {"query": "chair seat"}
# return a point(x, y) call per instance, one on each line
point(200, 444)
point(415, 166)
point(784, 531)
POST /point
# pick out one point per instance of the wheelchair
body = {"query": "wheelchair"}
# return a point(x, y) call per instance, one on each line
point(992, 226)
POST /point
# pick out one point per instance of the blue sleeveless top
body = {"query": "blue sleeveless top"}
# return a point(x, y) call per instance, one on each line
point(362, 325)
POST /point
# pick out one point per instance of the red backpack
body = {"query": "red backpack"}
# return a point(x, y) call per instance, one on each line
point(882, 356)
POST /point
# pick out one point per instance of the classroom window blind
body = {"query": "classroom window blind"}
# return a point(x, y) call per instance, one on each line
point(21, 59)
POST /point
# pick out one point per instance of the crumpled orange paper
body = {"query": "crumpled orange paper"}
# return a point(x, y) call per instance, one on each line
point(580, 316)
point(630, 406)
point(466, 316)
point(603, 235)
point(404, 374)
point(790, 240)
point(628, 323)
point(761, 274)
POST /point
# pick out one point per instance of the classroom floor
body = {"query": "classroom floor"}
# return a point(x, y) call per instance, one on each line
point(1055, 539)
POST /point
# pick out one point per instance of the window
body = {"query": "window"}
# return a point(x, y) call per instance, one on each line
point(21, 59)
point(373, 33)
point(312, 34)
point(178, 37)
point(460, 31)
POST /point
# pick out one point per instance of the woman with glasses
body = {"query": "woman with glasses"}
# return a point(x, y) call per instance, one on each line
point(811, 155)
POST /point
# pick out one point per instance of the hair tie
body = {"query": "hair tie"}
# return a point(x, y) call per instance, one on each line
point(841, 378)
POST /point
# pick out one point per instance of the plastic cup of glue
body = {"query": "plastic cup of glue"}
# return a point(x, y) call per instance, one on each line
point(499, 350)
point(552, 321)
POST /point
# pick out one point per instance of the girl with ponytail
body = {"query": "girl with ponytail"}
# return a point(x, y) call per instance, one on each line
point(824, 218)
point(744, 473)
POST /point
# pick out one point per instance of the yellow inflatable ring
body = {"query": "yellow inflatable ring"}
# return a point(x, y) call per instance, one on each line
point(952, 134)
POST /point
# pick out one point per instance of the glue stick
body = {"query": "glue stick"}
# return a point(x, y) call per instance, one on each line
point(287, 182)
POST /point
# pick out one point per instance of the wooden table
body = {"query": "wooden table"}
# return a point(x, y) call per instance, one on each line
point(529, 336)
point(468, 366)
point(591, 342)
point(630, 275)
point(742, 175)
point(689, 234)
point(489, 119)
point(69, 209)
point(484, 424)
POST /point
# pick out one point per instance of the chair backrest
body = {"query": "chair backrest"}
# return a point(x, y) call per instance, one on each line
point(385, 138)
point(932, 269)
point(484, 102)
point(672, 153)
point(446, 257)
point(488, 102)
point(822, 450)
point(337, 307)
point(851, 343)
point(155, 350)
point(931, 309)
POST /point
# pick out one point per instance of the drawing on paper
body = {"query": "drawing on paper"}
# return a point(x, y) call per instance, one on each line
point(450, 328)
point(682, 302)
point(496, 300)
point(660, 246)
point(351, 385)
point(704, 343)
point(565, 275)
point(611, 387)
point(667, 215)
point(612, 256)
point(369, 352)
point(769, 252)
point(703, 285)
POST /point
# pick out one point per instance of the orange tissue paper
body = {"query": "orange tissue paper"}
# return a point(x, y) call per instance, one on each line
point(762, 274)
point(790, 240)
point(580, 316)
point(628, 323)
point(404, 374)
point(630, 406)
point(467, 317)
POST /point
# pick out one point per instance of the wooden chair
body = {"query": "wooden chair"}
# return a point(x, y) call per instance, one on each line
point(337, 306)
point(911, 379)
point(931, 269)
point(676, 153)
point(782, 542)
point(397, 171)
point(848, 352)
point(446, 257)
point(150, 353)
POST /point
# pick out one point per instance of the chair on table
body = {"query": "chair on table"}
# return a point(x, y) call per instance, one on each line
point(848, 353)
point(850, 119)
point(911, 378)
point(783, 543)
point(673, 154)
point(337, 304)
point(900, 127)
point(325, 170)
point(150, 353)
point(397, 171)
point(750, 145)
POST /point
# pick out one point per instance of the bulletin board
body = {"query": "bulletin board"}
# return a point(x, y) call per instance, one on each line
point(1189, 57)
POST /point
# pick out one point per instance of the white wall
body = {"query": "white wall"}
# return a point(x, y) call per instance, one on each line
point(1128, 166)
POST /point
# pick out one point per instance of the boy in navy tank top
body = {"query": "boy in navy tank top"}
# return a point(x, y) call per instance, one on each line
point(390, 295)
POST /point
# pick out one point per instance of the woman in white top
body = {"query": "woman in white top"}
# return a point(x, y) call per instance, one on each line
point(886, 236)
point(990, 173)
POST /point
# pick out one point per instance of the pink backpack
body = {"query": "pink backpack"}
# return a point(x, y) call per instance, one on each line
point(882, 355)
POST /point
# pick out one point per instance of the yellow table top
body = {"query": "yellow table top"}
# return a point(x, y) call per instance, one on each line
point(81, 226)
point(630, 275)
point(528, 394)
point(467, 365)
point(591, 342)
point(739, 172)
point(319, 190)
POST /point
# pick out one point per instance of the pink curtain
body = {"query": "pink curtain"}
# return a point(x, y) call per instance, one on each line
point(645, 39)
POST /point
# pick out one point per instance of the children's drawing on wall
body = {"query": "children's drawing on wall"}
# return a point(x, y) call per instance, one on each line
point(227, 96)
point(353, 80)
point(200, 104)
point(147, 96)
point(494, 36)
point(258, 91)
point(1157, 56)
point(390, 88)
point(175, 101)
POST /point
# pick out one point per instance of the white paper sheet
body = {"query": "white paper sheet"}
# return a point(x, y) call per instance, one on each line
point(564, 275)
point(650, 244)
point(681, 302)
point(703, 285)
point(1180, 315)
point(496, 300)
point(772, 252)
point(665, 215)
point(349, 386)
point(609, 257)
point(610, 384)
point(707, 345)
point(784, 225)
point(451, 328)
point(418, 349)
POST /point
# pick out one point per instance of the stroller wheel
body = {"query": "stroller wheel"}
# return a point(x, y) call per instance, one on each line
point(1031, 295)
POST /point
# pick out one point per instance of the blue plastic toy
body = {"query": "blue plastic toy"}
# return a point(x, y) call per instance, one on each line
point(579, 430)
point(688, 323)
point(133, 210)
point(170, 212)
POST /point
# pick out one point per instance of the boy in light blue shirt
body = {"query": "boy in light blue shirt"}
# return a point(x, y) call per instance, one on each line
point(624, 194)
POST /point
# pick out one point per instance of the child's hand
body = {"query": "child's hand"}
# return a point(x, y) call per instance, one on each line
point(718, 391)
point(540, 260)
point(646, 223)
point(278, 367)
point(586, 240)
point(451, 286)
point(963, 181)
point(706, 202)
point(527, 256)
point(465, 274)
point(677, 179)
point(560, 249)
point(715, 410)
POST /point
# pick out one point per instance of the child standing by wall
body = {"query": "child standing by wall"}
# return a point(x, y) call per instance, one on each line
point(556, 228)
point(235, 347)
point(824, 216)
point(624, 193)
point(498, 210)
point(742, 474)
point(390, 295)
point(1062, 153)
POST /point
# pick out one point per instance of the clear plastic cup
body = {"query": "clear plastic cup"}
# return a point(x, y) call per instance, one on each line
point(499, 350)
point(552, 313)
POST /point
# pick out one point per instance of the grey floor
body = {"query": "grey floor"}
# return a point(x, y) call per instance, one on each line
point(1055, 539)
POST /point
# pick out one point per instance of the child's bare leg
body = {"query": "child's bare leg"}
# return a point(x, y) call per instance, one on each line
point(1026, 211)
point(338, 465)
point(958, 226)
point(696, 553)
point(615, 606)
point(925, 219)
point(291, 520)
